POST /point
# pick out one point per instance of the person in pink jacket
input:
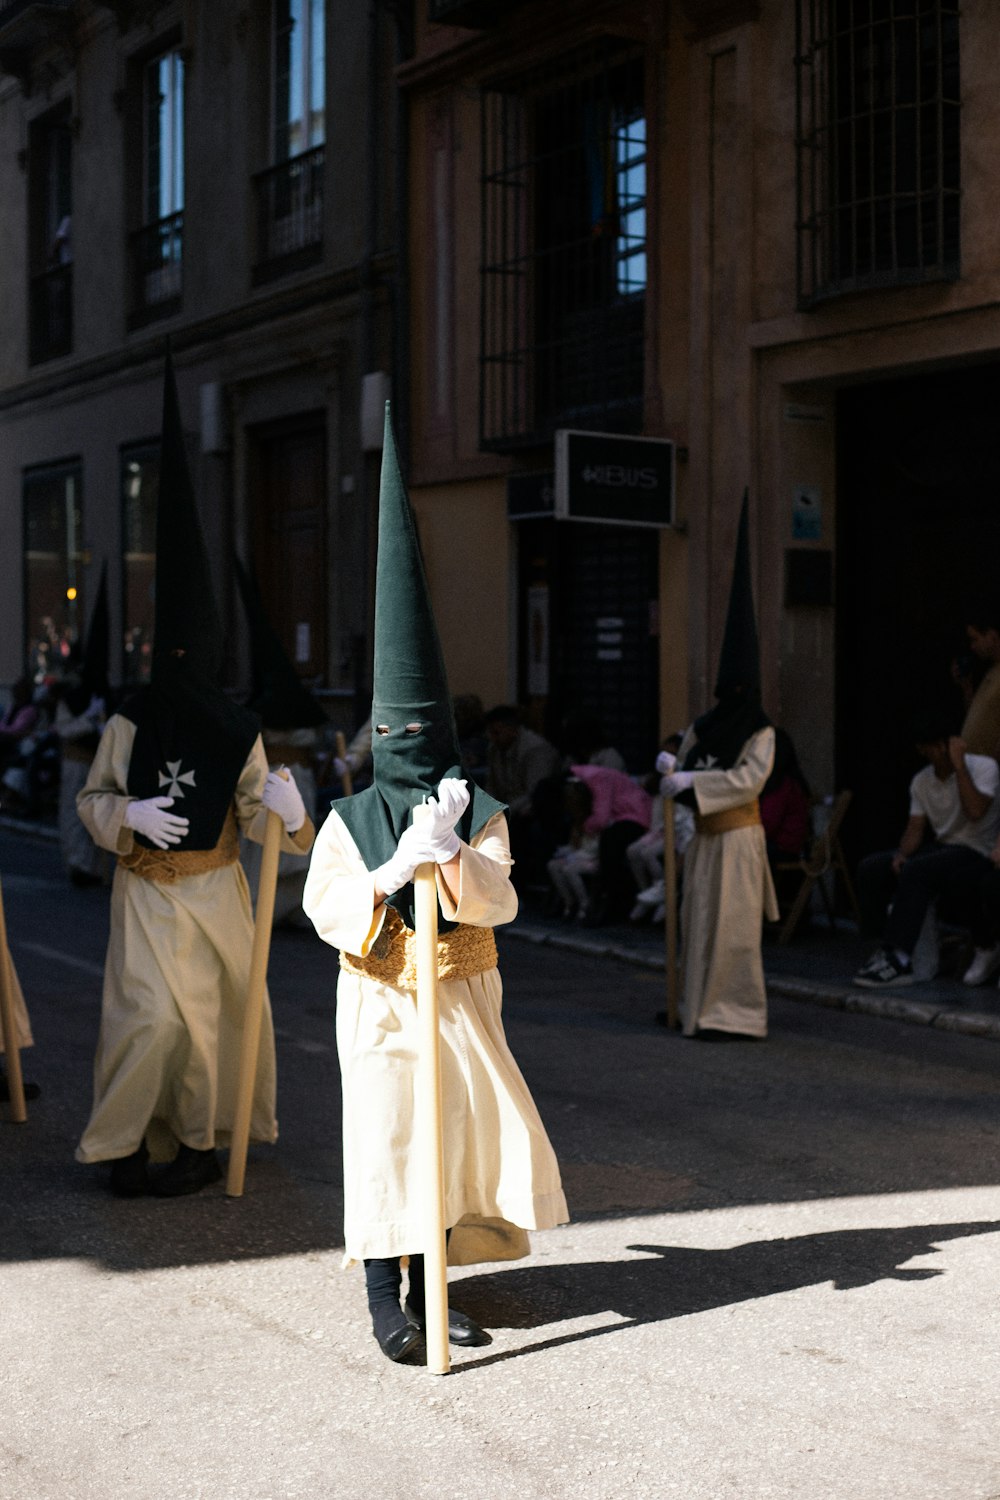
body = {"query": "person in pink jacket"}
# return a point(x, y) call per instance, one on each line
point(620, 813)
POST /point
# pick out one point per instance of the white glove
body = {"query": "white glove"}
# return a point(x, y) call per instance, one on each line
point(445, 810)
point(665, 762)
point(96, 709)
point(415, 848)
point(282, 796)
point(340, 766)
point(150, 818)
point(670, 786)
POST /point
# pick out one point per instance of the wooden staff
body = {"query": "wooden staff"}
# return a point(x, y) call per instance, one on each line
point(346, 779)
point(252, 1016)
point(8, 1026)
point(670, 907)
point(429, 1136)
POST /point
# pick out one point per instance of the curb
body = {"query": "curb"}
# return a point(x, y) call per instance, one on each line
point(885, 1007)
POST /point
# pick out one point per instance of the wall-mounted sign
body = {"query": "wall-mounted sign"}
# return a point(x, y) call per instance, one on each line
point(614, 480)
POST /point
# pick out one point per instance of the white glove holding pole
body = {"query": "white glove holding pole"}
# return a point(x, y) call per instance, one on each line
point(280, 795)
point(149, 817)
point(433, 842)
point(665, 762)
point(445, 810)
point(679, 781)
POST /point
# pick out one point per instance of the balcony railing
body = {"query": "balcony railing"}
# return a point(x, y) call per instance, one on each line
point(50, 301)
point(290, 215)
point(156, 255)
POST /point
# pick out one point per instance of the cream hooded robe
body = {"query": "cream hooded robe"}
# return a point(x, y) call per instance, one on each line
point(501, 1174)
point(728, 891)
point(175, 981)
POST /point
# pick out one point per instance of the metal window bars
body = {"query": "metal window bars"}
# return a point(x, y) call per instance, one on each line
point(156, 252)
point(290, 213)
point(563, 264)
point(877, 135)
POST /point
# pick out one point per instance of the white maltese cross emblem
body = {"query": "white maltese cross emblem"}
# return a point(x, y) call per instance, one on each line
point(176, 776)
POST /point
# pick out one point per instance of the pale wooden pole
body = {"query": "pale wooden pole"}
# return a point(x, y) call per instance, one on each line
point(346, 780)
point(429, 1135)
point(8, 1025)
point(253, 1014)
point(670, 905)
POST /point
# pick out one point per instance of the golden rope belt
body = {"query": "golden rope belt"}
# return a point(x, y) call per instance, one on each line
point(462, 953)
point(747, 816)
point(167, 865)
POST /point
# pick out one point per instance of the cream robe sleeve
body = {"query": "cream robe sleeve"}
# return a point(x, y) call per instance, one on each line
point(715, 791)
point(251, 814)
point(103, 799)
point(340, 890)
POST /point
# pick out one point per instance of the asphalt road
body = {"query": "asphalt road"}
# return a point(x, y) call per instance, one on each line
point(780, 1279)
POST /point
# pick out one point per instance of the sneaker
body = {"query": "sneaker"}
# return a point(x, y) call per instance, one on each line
point(985, 963)
point(883, 971)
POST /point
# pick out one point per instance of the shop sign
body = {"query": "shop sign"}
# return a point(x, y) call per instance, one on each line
point(614, 480)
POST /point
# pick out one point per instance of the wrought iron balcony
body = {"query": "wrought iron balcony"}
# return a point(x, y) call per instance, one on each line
point(50, 313)
point(290, 215)
point(156, 256)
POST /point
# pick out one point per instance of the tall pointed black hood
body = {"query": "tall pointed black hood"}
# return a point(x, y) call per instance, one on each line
point(414, 740)
point(191, 740)
point(721, 733)
point(277, 694)
point(97, 647)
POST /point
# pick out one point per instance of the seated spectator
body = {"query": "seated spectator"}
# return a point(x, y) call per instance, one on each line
point(577, 858)
point(584, 743)
point(645, 855)
point(19, 720)
point(519, 761)
point(954, 799)
point(981, 726)
point(784, 803)
point(620, 813)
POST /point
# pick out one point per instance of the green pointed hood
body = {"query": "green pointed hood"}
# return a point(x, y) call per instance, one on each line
point(414, 741)
point(277, 694)
point(721, 733)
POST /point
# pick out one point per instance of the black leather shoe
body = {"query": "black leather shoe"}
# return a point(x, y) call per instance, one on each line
point(461, 1329)
point(401, 1343)
point(189, 1172)
point(129, 1178)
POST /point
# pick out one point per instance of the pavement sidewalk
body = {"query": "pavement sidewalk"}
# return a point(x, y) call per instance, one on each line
point(816, 969)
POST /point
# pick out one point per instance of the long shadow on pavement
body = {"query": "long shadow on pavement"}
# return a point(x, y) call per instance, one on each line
point(675, 1281)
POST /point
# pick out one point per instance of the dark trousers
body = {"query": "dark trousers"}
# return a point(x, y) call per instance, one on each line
point(953, 872)
point(616, 888)
point(989, 903)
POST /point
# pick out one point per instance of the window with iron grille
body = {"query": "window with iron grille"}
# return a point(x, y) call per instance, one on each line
point(878, 144)
point(157, 246)
point(563, 250)
point(50, 235)
point(290, 193)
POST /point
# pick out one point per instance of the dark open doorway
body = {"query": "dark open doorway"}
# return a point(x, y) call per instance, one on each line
point(919, 537)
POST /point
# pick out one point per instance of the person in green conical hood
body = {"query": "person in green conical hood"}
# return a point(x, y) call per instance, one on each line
point(414, 740)
point(179, 773)
point(726, 756)
point(501, 1174)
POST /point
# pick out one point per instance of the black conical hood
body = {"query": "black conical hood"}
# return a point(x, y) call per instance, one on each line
point(721, 733)
point(186, 616)
point(411, 701)
point(96, 650)
point(739, 659)
point(191, 741)
point(277, 694)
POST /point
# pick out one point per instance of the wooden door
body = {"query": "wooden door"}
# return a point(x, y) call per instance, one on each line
point(289, 536)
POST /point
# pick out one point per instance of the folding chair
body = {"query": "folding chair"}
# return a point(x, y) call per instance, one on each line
point(826, 855)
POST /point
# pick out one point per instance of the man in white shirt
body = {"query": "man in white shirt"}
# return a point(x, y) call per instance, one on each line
point(954, 800)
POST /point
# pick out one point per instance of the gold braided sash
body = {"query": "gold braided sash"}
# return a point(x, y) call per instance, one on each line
point(747, 816)
point(462, 953)
point(167, 865)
